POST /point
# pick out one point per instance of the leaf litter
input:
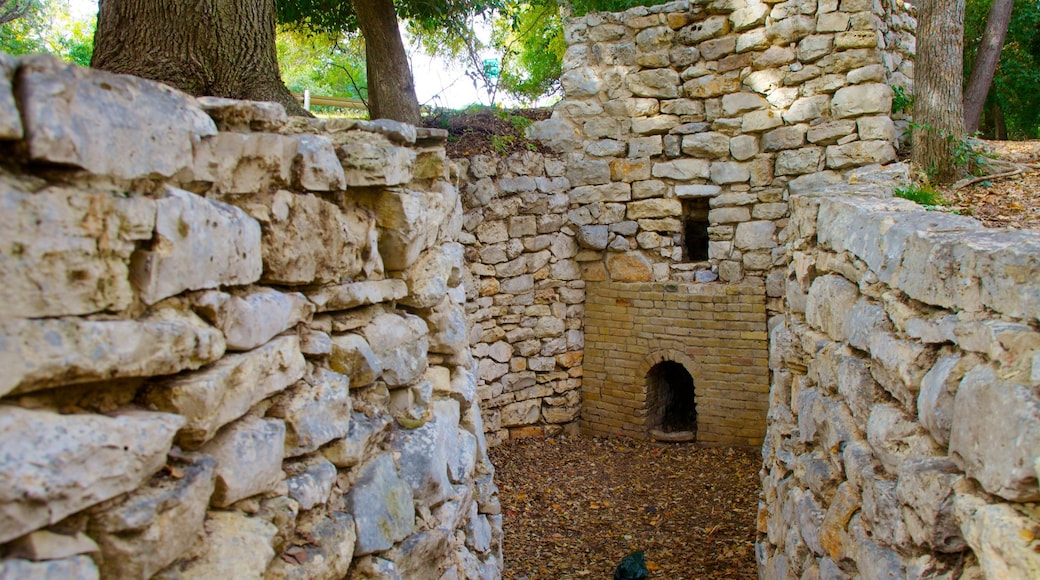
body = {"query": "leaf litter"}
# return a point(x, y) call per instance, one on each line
point(573, 507)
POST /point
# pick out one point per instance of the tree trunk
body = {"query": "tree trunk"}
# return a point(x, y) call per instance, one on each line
point(223, 48)
point(391, 90)
point(986, 62)
point(938, 78)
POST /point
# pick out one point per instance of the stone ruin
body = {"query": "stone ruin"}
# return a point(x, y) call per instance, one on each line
point(245, 345)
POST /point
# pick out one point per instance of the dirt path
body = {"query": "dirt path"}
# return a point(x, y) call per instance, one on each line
point(575, 506)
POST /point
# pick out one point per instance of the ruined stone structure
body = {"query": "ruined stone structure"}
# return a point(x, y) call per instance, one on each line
point(233, 344)
point(683, 130)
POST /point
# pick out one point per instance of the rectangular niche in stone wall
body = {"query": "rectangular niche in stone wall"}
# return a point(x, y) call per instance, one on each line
point(695, 229)
point(676, 360)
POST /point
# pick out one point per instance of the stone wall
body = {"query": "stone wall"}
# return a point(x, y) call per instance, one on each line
point(234, 345)
point(904, 422)
point(682, 132)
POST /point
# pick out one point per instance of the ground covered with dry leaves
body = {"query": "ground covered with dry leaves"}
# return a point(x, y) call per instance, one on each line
point(1007, 202)
point(575, 506)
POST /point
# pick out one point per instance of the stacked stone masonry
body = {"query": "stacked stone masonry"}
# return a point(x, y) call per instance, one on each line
point(234, 344)
point(904, 412)
point(683, 130)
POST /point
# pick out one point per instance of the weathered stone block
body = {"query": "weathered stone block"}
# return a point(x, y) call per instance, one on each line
point(354, 294)
point(382, 506)
point(433, 274)
point(682, 169)
point(222, 392)
point(250, 319)
point(245, 162)
point(326, 555)
point(315, 410)
point(84, 266)
point(371, 159)
point(39, 354)
point(400, 344)
point(10, 120)
point(998, 454)
point(76, 568)
point(865, 99)
point(199, 243)
point(236, 546)
point(108, 124)
point(249, 455)
point(996, 534)
point(56, 465)
point(860, 153)
point(830, 298)
point(144, 531)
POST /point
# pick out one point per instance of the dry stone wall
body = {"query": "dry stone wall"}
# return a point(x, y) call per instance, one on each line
point(682, 132)
point(234, 345)
point(904, 422)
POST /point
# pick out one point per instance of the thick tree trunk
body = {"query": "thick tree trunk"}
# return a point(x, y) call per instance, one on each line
point(223, 48)
point(986, 62)
point(391, 90)
point(938, 78)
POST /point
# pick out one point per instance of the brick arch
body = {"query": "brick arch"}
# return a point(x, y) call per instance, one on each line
point(658, 356)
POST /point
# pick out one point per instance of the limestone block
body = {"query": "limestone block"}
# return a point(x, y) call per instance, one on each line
point(879, 128)
point(709, 145)
point(224, 391)
point(830, 298)
point(736, 104)
point(936, 399)
point(865, 320)
point(521, 413)
point(354, 294)
point(748, 17)
point(250, 319)
point(422, 555)
point(873, 559)
point(580, 82)
point(742, 147)
point(687, 191)
point(711, 85)
point(145, 530)
point(364, 434)
point(856, 39)
point(84, 460)
point(629, 267)
point(708, 28)
point(10, 120)
point(108, 124)
point(83, 266)
point(47, 545)
point(791, 29)
point(353, 357)
point(755, 235)
point(310, 482)
point(601, 193)
point(865, 99)
point(654, 208)
point(327, 553)
point(997, 535)
point(315, 410)
point(316, 166)
point(199, 243)
point(758, 121)
point(754, 39)
point(896, 438)
point(830, 132)
point(925, 491)
point(799, 161)
point(249, 455)
point(1008, 268)
point(998, 454)
point(606, 148)
point(899, 366)
point(593, 237)
point(38, 354)
point(236, 546)
point(244, 116)
point(408, 222)
point(370, 159)
point(382, 506)
point(867, 74)
point(682, 169)
point(859, 153)
point(400, 343)
point(430, 277)
point(834, 537)
point(656, 125)
point(76, 568)
point(789, 137)
point(245, 162)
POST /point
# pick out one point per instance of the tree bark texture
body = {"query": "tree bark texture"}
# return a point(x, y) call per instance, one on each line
point(938, 78)
point(223, 48)
point(391, 90)
point(986, 61)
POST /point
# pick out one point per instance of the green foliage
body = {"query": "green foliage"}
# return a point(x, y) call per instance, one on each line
point(322, 64)
point(1016, 87)
point(921, 193)
point(335, 16)
point(902, 100)
point(49, 27)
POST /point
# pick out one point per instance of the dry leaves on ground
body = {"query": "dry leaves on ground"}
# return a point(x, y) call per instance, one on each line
point(1010, 202)
point(575, 506)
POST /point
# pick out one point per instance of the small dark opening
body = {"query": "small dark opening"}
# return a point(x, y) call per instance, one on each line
point(695, 229)
point(673, 405)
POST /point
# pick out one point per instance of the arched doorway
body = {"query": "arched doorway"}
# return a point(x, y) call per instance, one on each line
point(671, 400)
